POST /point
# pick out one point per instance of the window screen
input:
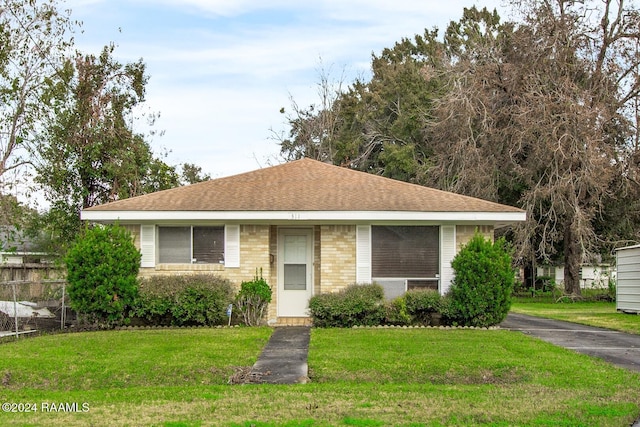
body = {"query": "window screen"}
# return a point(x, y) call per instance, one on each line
point(405, 251)
point(422, 284)
point(174, 245)
point(178, 245)
point(208, 245)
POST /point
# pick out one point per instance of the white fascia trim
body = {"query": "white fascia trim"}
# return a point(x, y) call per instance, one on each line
point(488, 217)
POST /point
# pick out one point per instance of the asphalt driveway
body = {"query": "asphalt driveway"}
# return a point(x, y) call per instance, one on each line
point(618, 348)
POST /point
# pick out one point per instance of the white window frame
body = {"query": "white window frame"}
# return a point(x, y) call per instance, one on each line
point(191, 227)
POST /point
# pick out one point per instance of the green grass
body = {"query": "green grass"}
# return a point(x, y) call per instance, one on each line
point(601, 314)
point(360, 377)
point(124, 359)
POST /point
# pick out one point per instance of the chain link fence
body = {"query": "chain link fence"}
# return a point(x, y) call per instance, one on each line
point(31, 301)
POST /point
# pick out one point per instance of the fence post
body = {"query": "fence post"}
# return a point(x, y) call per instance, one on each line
point(63, 315)
point(15, 308)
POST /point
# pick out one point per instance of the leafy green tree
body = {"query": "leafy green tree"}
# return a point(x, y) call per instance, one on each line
point(89, 151)
point(192, 174)
point(34, 37)
point(375, 126)
point(102, 273)
point(480, 294)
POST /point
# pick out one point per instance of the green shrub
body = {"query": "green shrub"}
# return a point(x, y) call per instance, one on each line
point(447, 311)
point(396, 312)
point(422, 304)
point(546, 283)
point(253, 299)
point(356, 305)
point(102, 270)
point(200, 299)
point(484, 278)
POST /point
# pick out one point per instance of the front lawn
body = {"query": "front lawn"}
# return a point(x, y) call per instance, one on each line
point(601, 314)
point(362, 377)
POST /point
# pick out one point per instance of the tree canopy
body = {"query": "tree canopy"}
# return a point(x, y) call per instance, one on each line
point(90, 154)
point(539, 112)
point(67, 121)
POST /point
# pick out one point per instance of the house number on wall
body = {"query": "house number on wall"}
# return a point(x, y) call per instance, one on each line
point(295, 215)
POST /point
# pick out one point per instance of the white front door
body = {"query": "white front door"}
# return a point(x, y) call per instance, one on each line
point(295, 271)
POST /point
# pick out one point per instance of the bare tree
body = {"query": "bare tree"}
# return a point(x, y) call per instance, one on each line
point(542, 118)
point(312, 128)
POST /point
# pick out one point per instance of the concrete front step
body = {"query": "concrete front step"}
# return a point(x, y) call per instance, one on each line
point(293, 321)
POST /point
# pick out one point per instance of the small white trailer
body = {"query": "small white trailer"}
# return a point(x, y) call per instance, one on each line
point(628, 279)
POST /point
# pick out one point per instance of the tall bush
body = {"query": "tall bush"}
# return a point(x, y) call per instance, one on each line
point(253, 299)
point(102, 270)
point(480, 294)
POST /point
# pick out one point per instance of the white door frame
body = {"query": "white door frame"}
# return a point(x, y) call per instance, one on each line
point(295, 303)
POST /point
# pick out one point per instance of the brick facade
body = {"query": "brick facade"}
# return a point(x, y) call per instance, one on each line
point(334, 261)
point(338, 262)
point(464, 233)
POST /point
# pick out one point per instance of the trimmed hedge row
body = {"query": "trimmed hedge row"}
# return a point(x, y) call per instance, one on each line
point(201, 299)
point(480, 295)
point(183, 300)
point(365, 305)
point(361, 305)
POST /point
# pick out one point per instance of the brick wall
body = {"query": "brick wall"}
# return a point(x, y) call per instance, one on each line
point(334, 257)
point(257, 243)
point(464, 233)
point(135, 233)
point(254, 255)
point(338, 257)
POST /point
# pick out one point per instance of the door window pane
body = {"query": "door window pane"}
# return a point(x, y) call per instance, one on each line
point(295, 249)
point(295, 277)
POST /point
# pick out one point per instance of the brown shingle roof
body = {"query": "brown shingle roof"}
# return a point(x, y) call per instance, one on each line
point(304, 185)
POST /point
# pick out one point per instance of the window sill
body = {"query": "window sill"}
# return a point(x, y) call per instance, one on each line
point(189, 267)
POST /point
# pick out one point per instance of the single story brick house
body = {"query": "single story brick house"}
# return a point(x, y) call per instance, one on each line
point(311, 228)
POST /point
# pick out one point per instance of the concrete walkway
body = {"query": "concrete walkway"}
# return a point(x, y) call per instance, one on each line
point(284, 359)
point(618, 348)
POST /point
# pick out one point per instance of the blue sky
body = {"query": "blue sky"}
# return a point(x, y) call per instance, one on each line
point(220, 70)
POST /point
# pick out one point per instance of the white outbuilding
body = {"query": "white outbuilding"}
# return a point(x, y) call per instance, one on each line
point(628, 276)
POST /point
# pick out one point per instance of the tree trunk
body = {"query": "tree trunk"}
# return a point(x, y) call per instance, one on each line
point(572, 260)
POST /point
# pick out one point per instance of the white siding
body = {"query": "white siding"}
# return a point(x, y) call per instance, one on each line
point(148, 246)
point(232, 246)
point(363, 254)
point(628, 276)
point(447, 253)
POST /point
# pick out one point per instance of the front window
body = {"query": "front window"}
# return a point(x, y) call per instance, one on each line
point(405, 257)
point(201, 245)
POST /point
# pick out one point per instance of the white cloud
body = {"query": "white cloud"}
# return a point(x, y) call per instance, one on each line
point(220, 69)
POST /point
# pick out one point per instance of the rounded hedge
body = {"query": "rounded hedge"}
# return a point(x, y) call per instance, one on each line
point(480, 293)
point(356, 305)
point(102, 270)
